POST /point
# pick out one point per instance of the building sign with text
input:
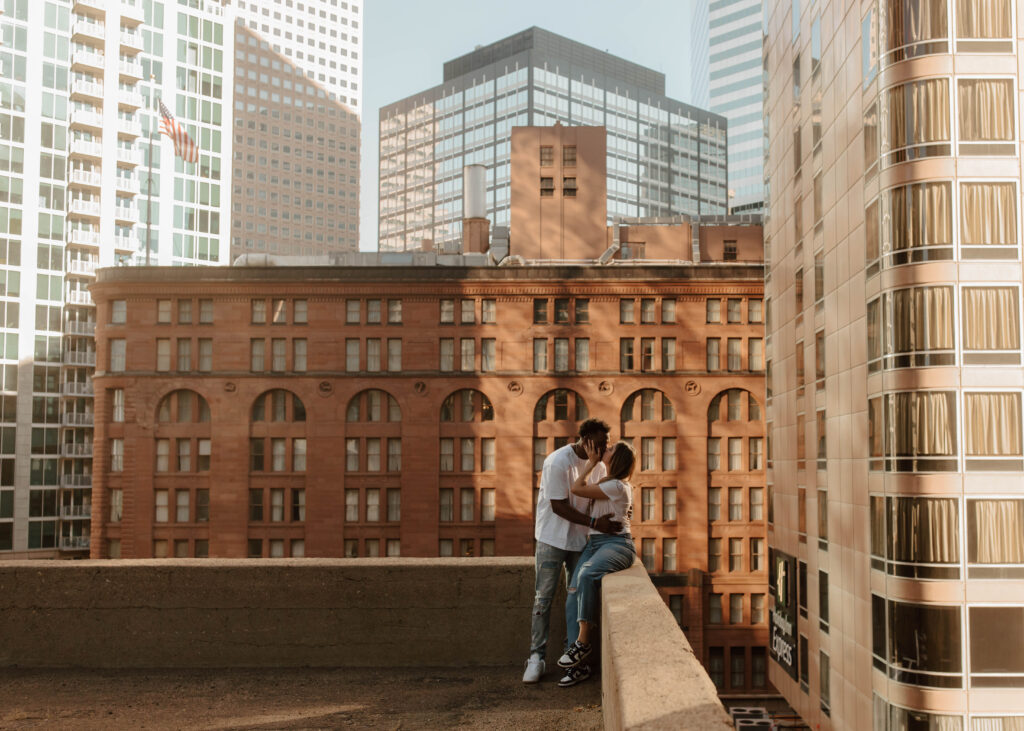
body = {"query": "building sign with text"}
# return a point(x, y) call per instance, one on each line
point(782, 580)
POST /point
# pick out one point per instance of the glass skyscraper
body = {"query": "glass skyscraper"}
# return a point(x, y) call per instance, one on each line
point(664, 157)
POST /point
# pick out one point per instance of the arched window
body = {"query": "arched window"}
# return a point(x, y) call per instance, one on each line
point(562, 404)
point(278, 405)
point(182, 406)
point(654, 406)
point(373, 405)
point(735, 404)
point(467, 405)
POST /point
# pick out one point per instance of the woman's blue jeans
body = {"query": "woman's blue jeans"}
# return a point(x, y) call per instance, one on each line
point(603, 555)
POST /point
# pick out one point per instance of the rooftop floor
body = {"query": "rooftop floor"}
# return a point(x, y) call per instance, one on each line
point(406, 698)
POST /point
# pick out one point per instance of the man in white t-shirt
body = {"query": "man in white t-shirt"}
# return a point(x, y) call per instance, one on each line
point(562, 526)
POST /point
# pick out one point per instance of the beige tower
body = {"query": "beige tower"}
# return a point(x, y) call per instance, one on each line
point(893, 296)
point(559, 192)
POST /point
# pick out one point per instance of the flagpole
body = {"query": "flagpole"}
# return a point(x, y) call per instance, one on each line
point(149, 186)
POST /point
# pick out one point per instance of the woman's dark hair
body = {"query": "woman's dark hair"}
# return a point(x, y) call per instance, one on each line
point(623, 459)
point(593, 428)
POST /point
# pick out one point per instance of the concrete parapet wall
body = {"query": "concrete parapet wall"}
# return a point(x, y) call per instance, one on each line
point(397, 612)
point(650, 677)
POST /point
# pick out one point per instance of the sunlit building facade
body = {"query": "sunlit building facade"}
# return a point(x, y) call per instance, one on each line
point(893, 292)
point(76, 87)
point(663, 157)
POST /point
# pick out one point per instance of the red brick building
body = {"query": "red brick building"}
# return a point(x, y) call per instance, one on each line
point(406, 410)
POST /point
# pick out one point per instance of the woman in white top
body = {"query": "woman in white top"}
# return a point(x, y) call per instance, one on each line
point(604, 553)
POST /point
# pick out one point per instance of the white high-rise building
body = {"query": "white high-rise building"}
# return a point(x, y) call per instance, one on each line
point(77, 78)
point(730, 32)
point(298, 98)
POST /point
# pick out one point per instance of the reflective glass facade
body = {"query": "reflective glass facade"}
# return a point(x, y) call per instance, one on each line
point(664, 157)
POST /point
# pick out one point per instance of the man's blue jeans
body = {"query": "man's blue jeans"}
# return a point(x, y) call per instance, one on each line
point(602, 555)
point(551, 562)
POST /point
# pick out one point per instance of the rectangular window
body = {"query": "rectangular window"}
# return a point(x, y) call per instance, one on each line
point(626, 360)
point(647, 453)
point(540, 453)
point(447, 455)
point(487, 355)
point(467, 454)
point(714, 311)
point(647, 354)
point(757, 615)
point(351, 505)
point(756, 456)
point(647, 503)
point(277, 505)
point(647, 311)
point(373, 454)
point(277, 454)
point(733, 354)
point(300, 312)
point(668, 554)
point(714, 454)
point(394, 355)
point(205, 355)
point(647, 554)
point(986, 110)
point(298, 505)
point(569, 156)
point(116, 505)
point(467, 347)
point(203, 462)
point(668, 355)
point(735, 503)
point(163, 354)
point(117, 355)
point(116, 455)
point(163, 452)
point(668, 504)
point(540, 311)
point(668, 454)
point(372, 505)
point(163, 312)
point(757, 554)
point(755, 313)
point(540, 355)
point(352, 355)
point(394, 498)
point(256, 455)
point(279, 311)
point(298, 455)
point(715, 555)
point(447, 354)
point(756, 503)
point(626, 311)
point(755, 354)
point(278, 354)
point(468, 311)
point(394, 454)
point(447, 311)
point(257, 354)
point(488, 311)
point(735, 609)
point(299, 355)
point(547, 156)
point(446, 505)
point(714, 361)
point(991, 322)
point(373, 355)
point(117, 407)
point(160, 503)
point(547, 187)
point(561, 355)
point(715, 609)
point(735, 453)
point(259, 312)
point(352, 312)
point(394, 312)
point(467, 505)
point(487, 454)
point(735, 554)
point(487, 511)
point(733, 310)
point(373, 313)
point(351, 455)
point(668, 311)
point(582, 310)
point(118, 312)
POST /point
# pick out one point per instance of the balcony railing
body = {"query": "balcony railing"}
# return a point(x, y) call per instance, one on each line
point(81, 207)
point(79, 357)
point(90, 7)
point(129, 128)
point(89, 90)
point(130, 70)
point(75, 418)
point(83, 118)
point(75, 388)
point(131, 41)
point(78, 297)
point(131, 12)
point(130, 99)
point(87, 31)
point(91, 60)
point(73, 481)
point(126, 214)
point(80, 237)
point(85, 148)
point(76, 450)
point(79, 266)
point(129, 156)
point(87, 178)
point(128, 185)
point(124, 243)
point(74, 543)
point(75, 511)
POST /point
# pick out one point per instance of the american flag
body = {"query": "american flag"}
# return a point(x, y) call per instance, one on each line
point(184, 147)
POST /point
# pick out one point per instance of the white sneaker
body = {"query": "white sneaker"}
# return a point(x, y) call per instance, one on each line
point(534, 669)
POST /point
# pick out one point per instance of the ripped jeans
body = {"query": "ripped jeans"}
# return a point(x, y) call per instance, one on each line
point(603, 554)
point(551, 563)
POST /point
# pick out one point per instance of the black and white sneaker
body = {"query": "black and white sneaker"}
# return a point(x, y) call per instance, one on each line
point(574, 675)
point(576, 653)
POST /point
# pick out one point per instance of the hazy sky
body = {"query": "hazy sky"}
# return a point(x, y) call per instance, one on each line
point(408, 41)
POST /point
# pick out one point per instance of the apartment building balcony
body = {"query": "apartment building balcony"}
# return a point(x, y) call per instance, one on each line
point(88, 32)
point(83, 267)
point(131, 42)
point(131, 12)
point(86, 150)
point(90, 62)
point(85, 179)
point(87, 91)
point(126, 214)
point(78, 297)
point(77, 418)
point(73, 482)
point(127, 185)
point(129, 128)
point(89, 121)
point(82, 208)
point(130, 71)
point(91, 8)
point(129, 99)
point(76, 388)
point(81, 449)
point(74, 543)
point(80, 237)
point(124, 244)
point(129, 157)
point(75, 512)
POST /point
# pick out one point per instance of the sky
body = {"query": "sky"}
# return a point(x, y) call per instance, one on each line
point(406, 43)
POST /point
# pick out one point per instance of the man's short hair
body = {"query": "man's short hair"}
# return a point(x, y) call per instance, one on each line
point(593, 428)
